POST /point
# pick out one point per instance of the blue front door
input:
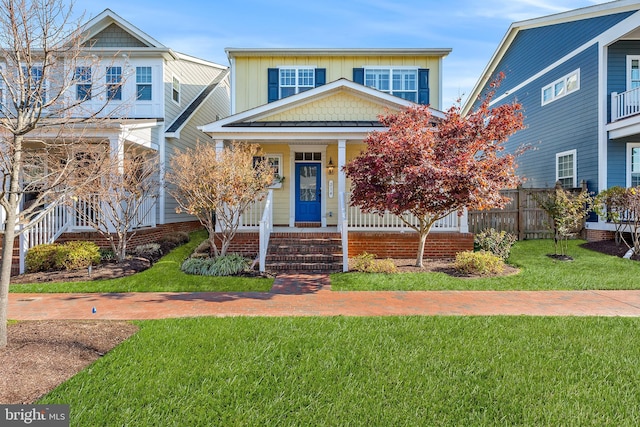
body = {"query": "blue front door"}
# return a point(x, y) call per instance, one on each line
point(308, 192)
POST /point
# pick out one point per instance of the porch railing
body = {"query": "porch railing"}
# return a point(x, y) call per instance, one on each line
point(252, 216)
point(625, 104)
point(343, 229)
point(46, 227)
point(358, 220)
point(146, 213)
point(266, 226)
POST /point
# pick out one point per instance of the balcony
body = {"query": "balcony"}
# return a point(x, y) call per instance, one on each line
point(625, 114)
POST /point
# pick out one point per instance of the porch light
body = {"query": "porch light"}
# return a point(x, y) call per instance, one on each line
point(330, 167)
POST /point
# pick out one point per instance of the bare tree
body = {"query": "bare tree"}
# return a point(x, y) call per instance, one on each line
point(122, 200)
point(42, 65)
point(217, 187)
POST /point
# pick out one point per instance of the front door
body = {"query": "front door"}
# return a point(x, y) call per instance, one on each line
point(308, 192)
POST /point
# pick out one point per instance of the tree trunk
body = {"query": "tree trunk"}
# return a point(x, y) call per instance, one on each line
point(423, 239)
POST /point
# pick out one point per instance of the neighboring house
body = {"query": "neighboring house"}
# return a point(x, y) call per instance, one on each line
point(159, 97)
point(577, 76)
point(310, 110)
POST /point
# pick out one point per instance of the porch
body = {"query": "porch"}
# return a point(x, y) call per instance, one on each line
point(386, 236)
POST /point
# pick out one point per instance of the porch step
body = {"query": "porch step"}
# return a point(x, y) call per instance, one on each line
point(306, 252)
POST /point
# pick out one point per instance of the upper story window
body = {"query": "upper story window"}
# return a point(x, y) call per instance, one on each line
point(633, 165)
point(566, 168)
point(400, 82)
point(114, 83)
point(296, 80)
point(82, 78)
point(561, 87)
point(35, 87)
point(143, 83)
point(633, 72)
point(175, 90)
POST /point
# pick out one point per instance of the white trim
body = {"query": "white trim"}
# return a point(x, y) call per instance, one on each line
point(108, 17)
point(245, 52)
point(162, 154)
point(603, 58)
point(565, 91)
point(391, 69)
point(322, 149)
point(630, 147)
point(631, 58)
point(573, 153)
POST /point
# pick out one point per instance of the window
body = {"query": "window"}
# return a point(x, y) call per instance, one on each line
point(114, 83)
point(175, 90)
point(143, 83)
point(400, 82)
point(566, 168)
point(82, 78)
point(561, 87)
point(633, 72)
point(633, 165)
point(296, 80)
point(34, 86)
point(308, 157)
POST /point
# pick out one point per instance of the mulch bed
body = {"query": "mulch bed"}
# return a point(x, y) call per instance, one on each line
point(609, 247)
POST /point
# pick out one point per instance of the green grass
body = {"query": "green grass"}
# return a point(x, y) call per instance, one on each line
point(588, 270)
point(164, 276)
point(384, 371)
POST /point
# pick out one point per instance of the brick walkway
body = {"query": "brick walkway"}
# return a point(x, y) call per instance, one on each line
point(310, 295)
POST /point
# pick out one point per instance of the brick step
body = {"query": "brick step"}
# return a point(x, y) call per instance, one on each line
point(304, 241)
point(300, 235)
point(305, 267)
point(305, 249)
point(304, 258)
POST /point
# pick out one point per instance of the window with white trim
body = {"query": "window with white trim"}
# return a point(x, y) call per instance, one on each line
point(114, 83)
point(633, 71)
point(633, 165)
point(566, 170)
point(82, 78)
point(561, 87)
point(143, 83)
point(294, 80)
point(400, 82)
point(35, 87)
point(175, 90)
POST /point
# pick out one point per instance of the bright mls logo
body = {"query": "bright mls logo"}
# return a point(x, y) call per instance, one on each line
point(34, 415)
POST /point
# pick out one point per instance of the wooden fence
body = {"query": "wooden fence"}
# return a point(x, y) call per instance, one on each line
point(522, 216)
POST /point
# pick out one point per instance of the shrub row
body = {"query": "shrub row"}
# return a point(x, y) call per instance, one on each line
point(227, 265)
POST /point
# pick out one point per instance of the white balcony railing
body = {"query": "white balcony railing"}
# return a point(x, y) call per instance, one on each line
point(625, 104)
point(266, 226)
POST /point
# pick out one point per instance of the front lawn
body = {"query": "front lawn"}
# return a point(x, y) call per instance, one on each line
point(365, 371)
point(588, 270)
point(163, 276)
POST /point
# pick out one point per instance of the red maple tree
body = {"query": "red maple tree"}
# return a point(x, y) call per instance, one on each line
point(431, 167)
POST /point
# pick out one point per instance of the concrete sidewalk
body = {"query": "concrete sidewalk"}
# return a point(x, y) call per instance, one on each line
point(310, 295)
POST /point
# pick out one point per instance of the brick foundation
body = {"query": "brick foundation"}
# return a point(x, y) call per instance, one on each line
point(405, 245)
point(246, 244)
point(599, 235)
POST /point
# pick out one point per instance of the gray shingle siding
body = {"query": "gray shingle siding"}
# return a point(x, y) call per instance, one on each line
point(565, 124)
point(114, 36)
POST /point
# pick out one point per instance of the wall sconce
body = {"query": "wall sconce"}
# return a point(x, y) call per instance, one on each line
point(330, 167)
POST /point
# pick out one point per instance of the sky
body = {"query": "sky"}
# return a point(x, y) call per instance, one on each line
point(204, 28)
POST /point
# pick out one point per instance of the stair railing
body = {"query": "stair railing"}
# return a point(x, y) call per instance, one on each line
point(343, 229)
point(45, 227)
point(266, 226)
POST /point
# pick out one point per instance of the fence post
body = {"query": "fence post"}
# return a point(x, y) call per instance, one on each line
point(520, 196)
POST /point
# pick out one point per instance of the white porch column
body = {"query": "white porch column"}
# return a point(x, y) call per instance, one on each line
point(342, 161)
point(219, 146)
point(162, 150)
point(117, 157)
point(463, 221)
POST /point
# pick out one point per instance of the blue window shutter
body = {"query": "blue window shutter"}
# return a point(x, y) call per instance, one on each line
point(423, 86)
point(358, 75)
point(273, 83)
point(321, 76)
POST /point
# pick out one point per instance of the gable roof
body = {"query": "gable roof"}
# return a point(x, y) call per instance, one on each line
point(516, 28)
point(256, 120)
point(173, 131)
point(107, 18)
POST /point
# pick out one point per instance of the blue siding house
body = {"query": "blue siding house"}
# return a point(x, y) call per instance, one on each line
point(577, 76)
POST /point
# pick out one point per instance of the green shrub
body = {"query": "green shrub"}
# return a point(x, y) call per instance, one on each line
point(227, 265)
point(177, 238)
point(41, 258)
point(482, 263)
point(107, 255)
point(75, 255)
point(367, 263)
point(497, 242)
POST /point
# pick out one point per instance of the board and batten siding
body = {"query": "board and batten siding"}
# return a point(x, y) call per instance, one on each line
point(216, 104)
point(534, 49)
point(251, 72)
point(567, 123)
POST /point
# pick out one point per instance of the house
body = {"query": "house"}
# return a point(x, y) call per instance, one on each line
point(577, 76)
point(158, 98)
point(310, 110)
